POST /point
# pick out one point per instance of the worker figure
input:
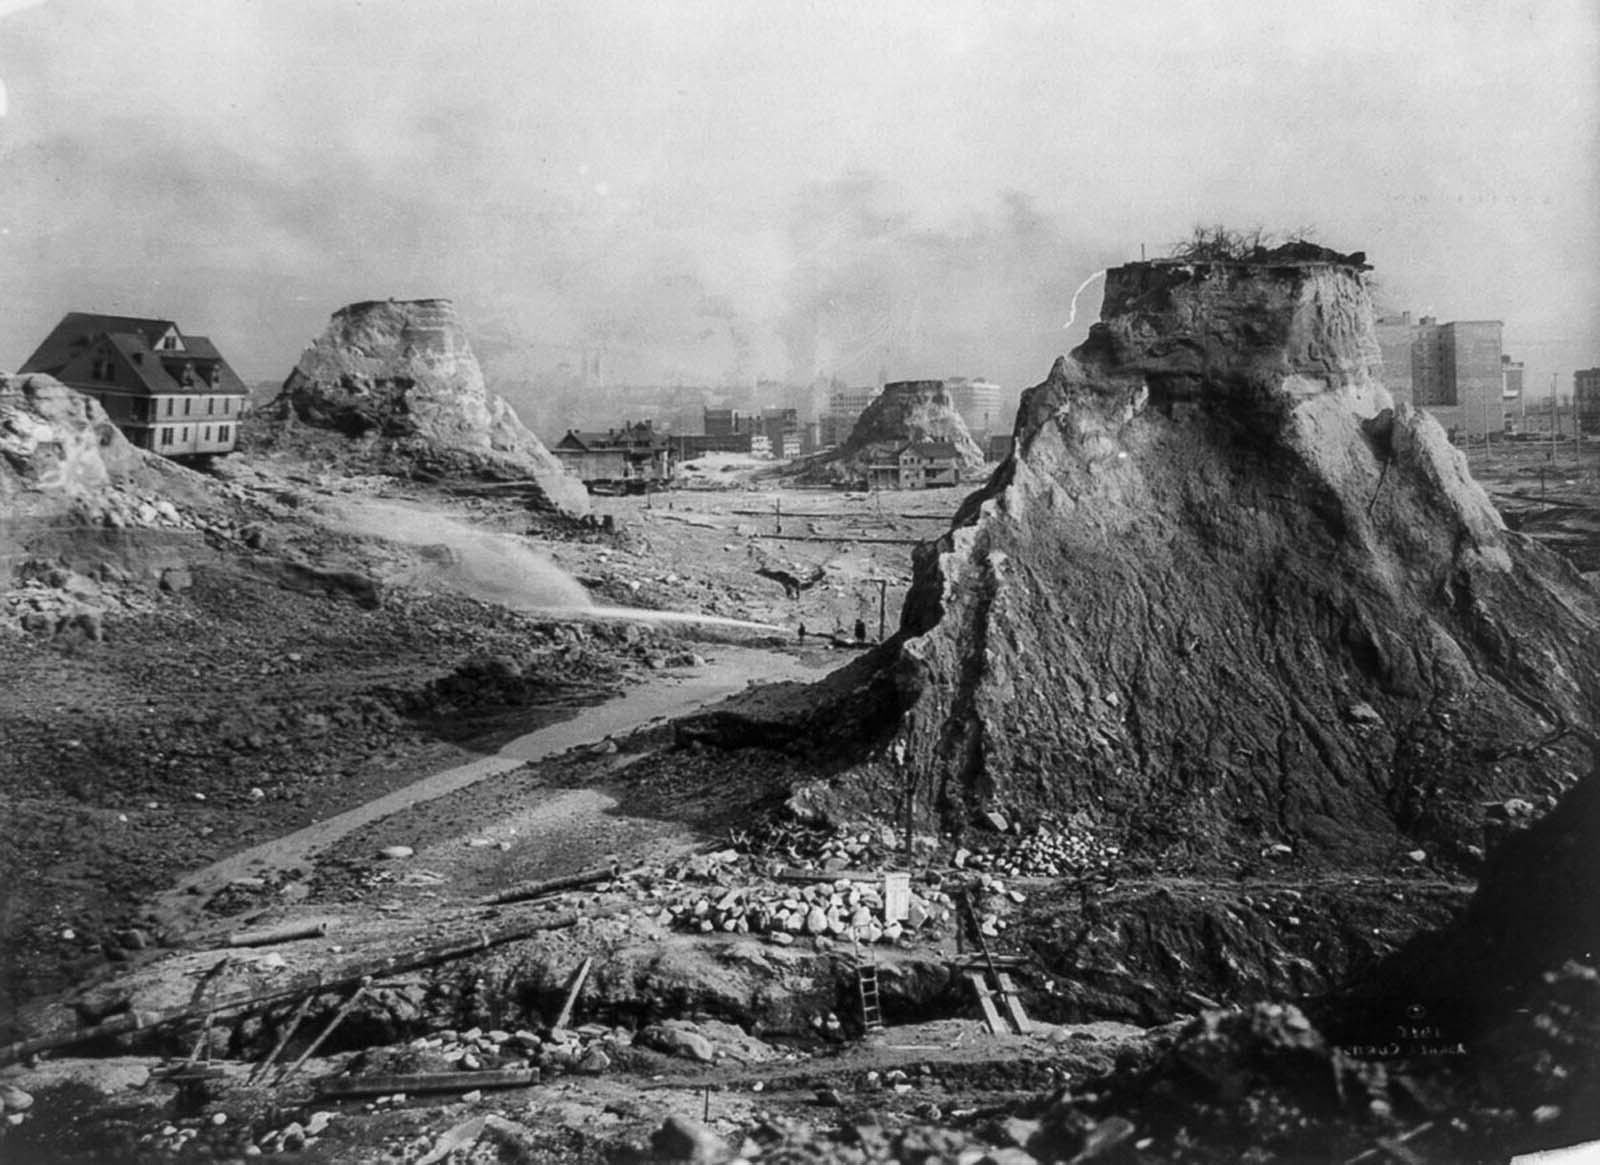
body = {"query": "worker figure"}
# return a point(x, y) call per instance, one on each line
point(802, 633)
point(861, 631)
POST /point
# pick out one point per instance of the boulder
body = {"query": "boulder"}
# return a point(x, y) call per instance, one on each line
point(676, 1039)
point(683, 1139)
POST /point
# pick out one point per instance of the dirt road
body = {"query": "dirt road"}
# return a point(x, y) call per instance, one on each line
point(666, 695)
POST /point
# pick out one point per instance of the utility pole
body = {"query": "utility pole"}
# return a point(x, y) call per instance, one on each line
point(883, 600)
point(1555, 420)
point(1484, 403)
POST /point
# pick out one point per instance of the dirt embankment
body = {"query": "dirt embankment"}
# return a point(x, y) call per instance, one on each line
point(239, 708)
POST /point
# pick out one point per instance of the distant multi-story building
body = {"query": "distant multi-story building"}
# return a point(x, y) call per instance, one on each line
point(853, 400)
point(1454, 370)
point(978, 402)
point(168, 392)
point(721, 422)
point(1586, 400)
point(1512, 373)
point(845, 406)
point(781, 427)
point(1396, 335)
point(1512, 376)
point(687, 447)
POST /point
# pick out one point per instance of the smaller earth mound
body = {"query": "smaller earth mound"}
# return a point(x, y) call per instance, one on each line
point(907, 412)
point(58, 449)
point(395, 384)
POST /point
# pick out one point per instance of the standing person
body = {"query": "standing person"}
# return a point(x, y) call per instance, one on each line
point(861, 631)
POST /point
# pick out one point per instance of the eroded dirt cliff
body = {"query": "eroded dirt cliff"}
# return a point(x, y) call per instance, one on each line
point(397, 379)
point(1227, 596)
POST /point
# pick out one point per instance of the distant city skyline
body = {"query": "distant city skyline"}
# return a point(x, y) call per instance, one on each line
point(731, 191)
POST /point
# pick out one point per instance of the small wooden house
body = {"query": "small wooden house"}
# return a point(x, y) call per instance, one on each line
point(634, 457)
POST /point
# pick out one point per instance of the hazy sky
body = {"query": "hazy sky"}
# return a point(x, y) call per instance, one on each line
point(742, 188)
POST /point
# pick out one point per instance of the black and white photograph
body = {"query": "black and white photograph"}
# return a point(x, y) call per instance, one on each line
point(945, 582)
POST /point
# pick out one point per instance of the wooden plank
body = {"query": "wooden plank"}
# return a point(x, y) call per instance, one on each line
point(525, 890)
point(572, 995)
point(986, 1001)
point(428, 1082)
point(1013, 1002)
point(288, 932)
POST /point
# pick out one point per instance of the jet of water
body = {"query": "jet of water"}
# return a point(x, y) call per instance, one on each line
point(1072, 312)
point(488, 565)
point(495, 567)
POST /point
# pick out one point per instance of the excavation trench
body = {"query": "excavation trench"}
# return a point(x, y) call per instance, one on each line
point(526, 986)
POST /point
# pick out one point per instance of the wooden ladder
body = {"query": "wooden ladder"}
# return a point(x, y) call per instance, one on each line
point(867, 989)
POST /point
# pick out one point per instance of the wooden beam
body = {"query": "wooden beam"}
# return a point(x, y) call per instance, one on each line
point(572, 995)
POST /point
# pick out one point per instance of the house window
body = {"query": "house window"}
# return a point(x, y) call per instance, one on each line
point(166, 436)
point(169, 406)
point(186, 401)
point(211, 405)
point(222, 432)
point(207, 437)
point(186, 432)
point(227, 403)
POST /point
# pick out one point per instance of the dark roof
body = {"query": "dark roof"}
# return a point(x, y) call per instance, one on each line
point(134, 339)
point(934, 449)
point(79, 327)
point(629, 437)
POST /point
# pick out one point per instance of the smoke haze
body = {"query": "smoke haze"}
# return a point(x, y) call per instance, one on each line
point(723, 191)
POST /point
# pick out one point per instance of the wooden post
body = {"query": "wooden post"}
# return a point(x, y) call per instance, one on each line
point(338, 1018)
point(911, 812)
point(288, 932)
point(572, 995)
point(260, 1070)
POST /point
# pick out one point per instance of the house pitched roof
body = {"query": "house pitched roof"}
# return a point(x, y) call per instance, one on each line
point(632, 437)
point(931, 449)
point(160, 371)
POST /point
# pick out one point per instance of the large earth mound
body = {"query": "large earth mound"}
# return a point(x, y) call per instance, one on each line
point(399, 380)
point(1225, 598)
point(913, 411)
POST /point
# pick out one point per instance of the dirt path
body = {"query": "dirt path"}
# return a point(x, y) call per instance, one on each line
point(667, 695)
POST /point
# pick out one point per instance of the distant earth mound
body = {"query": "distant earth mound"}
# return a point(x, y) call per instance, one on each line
point(914, 411)
point(397, 379)
point(1224, 599)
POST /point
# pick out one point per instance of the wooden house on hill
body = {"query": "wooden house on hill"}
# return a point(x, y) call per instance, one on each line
point(168, 392)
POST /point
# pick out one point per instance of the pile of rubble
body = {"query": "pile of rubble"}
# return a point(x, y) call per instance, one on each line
point(1054, 849)
point(839, 909)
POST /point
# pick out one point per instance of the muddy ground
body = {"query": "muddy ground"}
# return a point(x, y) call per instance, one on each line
point(147, 775)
